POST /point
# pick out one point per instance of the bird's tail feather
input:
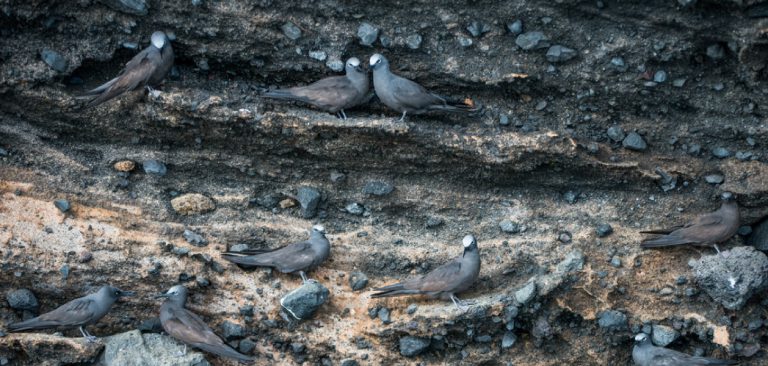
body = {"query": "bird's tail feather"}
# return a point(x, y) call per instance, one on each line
point(245, 260)
point(465, 106)
point(664, 241)
point(397, 289)
point(283, 94)
point(32, 324)
point(224, 350)
point(98, 90)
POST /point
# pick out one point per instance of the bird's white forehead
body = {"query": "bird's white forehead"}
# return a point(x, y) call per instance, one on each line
point(468, 240)
point(641, 337)
point(353, 62)
point(158, 39)
point(375, 58)
point(318, 227)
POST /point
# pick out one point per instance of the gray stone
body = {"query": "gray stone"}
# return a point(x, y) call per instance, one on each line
point(619, 64)
point(574, 261)
point(151, 325)
point(239, 247)
point(465, 42)
point(367, 34)
point(715, 52)
point(64, 270)
point(22, 299)
point(526, 294)
point(515, 27)
point(508, 340)
point(503, 120)
point(433, 222)
point(384, 316)
point(62, 204)
point(411, 346)
point(291, 31)
point(302, 302)
point(616, 133)
point(411, 309)
point(246, 346)
point(571, 196)
point(349, 362)
point(743, 155)
point(154, 167)
point(318, 55)
point(478, 28)
point(687, 3)
point(532, 40)
point(413, 41)
point(679, 83)
point(136, 349)
point(603, 230)
point(358, 281)
point(733, 277)
point(135, 7)
point(509, 227)
point(616, 261)
point(378, 188)
point(714, 178)
point(759, 237)
point(308, 198)
point(558, 53)
point(721, 152)
point(634, 141)
point(54, 59)
point(194, 238)
point(663, 335)
point(660, 76)
point(355, 208)
point(335, 65)
point(232, 331)
point(612, 320)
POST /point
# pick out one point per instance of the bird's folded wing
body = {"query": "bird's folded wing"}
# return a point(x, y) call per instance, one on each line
point(188, 327)
point(75, 312)
point(411, 94)
point(442, 278)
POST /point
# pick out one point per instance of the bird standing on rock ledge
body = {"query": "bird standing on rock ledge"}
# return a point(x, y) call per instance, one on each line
point(148, 68)
point(709, 229)
point(644, 353)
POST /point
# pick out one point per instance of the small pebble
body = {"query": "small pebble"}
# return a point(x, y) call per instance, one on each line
point(721, 152)
point(367, 34)
point(515, 27)
point(62, 204)
point(603, 230)
point(154, 167)
point(291, 31)
point(660, 76)
point(634, 141)
point(616, 261)
point(54, 60)
point(714, 178)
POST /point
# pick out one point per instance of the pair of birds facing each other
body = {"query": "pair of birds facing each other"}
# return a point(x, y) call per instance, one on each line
point(336, 93)
point(176, 320)
point(443, 282)
point(708, 229)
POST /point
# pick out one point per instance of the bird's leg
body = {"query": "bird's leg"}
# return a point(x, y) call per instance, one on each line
point(344, 115)
point(461, 305)
point(183, 352)
point(88, 337)
point(402, 118)
point(304, 279)
point(150, 89)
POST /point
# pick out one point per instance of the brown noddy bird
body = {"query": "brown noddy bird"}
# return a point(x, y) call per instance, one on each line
point(644, 353)
point(445, 281)
point(406, 96)
point(297, 257)
point(709, 229)
point(79, 312)
point(148, 68)
point(333, 94)
point(188, 328)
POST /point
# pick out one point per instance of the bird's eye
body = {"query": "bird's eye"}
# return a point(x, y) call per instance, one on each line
point(378, 61)
point(117, 292)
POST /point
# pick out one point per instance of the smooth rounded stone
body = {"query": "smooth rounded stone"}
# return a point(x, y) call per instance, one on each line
point(663, 335)
point(135, 7)
point(565, 237)
point(232, 331)
point(3, 152)
point(246, 346)
point(194, 238)
point(335, 64)
point(616, 261)
point(743, 155)
point(124, 166)
point(509, 227)
point(355, 208)
point(62, 204)
point(714, 178)
point(318, 55)
point(503, 120)
point(22, 299)
point(465, 42)
point(634, 141)
point(358, 281)
point(660, 76)
point(508, 340)
point(433, 222)
point(570, 196)
point(239, 247)
point(291, 30)
point(54, 59)
point(666, 291)
point(612, 320)
point(85, 257)
point(515, 27)
point(559, 53)
point(192, 204)
point(732, 277)
point(526, 294)
point(679, 83)
point(715, 52)
point(308, 198)
point(367, 34)
point(478, 28)
point(134, 349)
point(384, 316)
point(411, 346)
point(616, 133)
point(411, 309)
point(385, 41)
point(721, 152)
point(718, 87)
point(378, 188)
point(532, 40)
point(603, 230)
point(759, 237)
point(619, 64)
point(302, 302)
point(413, 41)
point(154, 167)
point(130, 45)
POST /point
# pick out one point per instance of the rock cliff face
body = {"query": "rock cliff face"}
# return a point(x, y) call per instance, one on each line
point(601, 119)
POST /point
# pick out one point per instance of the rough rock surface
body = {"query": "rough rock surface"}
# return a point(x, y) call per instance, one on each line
point(731, 278)
point(136, 349)
point(687, 79)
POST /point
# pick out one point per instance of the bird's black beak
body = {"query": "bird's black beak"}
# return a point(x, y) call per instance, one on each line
point(126, 293)
point(161, 296)
point(359, 68)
